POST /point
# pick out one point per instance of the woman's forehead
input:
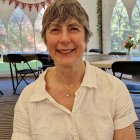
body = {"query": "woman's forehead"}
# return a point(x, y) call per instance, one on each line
point(67, 22)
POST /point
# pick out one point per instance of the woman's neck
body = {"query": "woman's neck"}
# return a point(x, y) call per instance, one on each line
point(69, 75)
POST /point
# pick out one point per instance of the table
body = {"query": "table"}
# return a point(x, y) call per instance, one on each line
point(28, 56)
point(106, 63)
point(104, 60)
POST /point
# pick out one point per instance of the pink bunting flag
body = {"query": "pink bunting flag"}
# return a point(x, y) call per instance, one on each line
point(16, 3)
point(30, 6)
point(43, 4)
point(23, 5)
point(10, 1)
point(36, 6)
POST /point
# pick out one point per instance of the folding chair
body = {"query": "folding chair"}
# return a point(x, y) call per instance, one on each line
point(46, 61)
point(95, 50)
point(117, 53)
point(129, 68)
point(20, 73)
point(1, 92)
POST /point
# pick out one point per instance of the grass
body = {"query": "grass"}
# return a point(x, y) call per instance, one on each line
point(4, 67)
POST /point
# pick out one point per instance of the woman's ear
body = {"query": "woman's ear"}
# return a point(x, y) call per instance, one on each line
point(85, 49)
point(45, 41)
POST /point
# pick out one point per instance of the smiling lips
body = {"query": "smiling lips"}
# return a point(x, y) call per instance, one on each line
point(65, 51)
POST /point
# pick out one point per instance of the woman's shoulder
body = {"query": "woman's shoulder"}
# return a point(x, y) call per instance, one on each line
point(109, 83)
point(107, 78)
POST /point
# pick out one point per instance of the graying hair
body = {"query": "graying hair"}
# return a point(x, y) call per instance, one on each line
point(62, 10)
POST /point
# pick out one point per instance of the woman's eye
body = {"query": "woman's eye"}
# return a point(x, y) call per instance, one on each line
point(74, 29)
point(54, 30)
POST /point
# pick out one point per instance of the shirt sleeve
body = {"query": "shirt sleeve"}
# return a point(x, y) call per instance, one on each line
point(21, 126)
point(125, 113)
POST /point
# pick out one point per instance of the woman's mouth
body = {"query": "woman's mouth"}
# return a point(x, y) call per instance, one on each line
point(65, 51)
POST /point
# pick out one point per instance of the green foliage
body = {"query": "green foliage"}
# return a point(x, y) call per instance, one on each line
point(129, 43)
point(99, 24)
point(121, 26)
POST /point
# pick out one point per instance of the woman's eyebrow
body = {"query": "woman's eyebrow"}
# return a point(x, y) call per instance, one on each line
point(54, 25)
point(59, 25)
point(74, 24)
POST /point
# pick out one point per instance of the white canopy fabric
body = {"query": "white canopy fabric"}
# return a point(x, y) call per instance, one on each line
point(129, 5)
point(32, 15)
point(6, 10)
point(8, 6)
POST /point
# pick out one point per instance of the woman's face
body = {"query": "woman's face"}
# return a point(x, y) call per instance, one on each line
point(66, 42)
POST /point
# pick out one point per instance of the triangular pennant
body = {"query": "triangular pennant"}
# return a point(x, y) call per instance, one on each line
point(16, 3)
point(36, 6)
point(10, 1)
point(23, 5)
point(43, 4)
point(30, 6)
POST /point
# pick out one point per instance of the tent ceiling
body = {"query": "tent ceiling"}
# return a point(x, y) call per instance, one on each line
point(6, 10)
point(129, 5)
point(31, 1)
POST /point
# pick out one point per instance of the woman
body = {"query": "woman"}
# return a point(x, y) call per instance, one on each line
point(72, 100)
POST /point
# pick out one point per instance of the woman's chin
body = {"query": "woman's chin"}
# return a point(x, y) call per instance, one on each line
point(66, 62)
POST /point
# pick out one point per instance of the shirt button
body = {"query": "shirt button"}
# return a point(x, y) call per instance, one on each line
point(75, 138)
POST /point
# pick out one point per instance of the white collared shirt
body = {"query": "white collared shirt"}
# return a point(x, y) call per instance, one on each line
point(102, 104)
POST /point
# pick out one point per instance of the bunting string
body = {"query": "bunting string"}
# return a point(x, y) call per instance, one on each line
point(30, 5)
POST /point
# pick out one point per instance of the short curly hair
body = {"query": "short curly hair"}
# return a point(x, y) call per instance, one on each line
point(62, 10)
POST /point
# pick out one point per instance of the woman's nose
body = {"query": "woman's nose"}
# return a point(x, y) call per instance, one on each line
point(65, 37)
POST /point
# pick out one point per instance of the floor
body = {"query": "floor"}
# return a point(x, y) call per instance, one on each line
point(7, 104)
point(6, 88)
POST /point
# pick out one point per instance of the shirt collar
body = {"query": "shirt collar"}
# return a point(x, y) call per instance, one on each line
point(40, 93)
point(90, 78)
